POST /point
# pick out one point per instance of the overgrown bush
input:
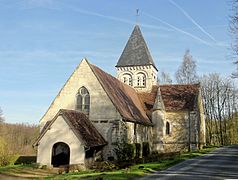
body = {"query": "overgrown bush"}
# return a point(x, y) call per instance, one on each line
point(104, 166)
point(138, 150)
point(124, 151)
point(145, 149)
point(6, 156)
point(25, 160)
point(156, 156)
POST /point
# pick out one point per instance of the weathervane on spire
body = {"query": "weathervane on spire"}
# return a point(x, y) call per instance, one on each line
point(137, 16)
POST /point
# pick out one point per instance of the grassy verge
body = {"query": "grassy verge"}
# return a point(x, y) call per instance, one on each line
point(134, 171)
point(30, 171)
point(7, 169)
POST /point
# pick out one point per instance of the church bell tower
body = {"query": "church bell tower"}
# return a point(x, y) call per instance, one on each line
point(135, 66)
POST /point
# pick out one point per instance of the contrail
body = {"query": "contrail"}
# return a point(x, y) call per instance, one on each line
point(179, 30)
point(192, 20)
point(91, 13)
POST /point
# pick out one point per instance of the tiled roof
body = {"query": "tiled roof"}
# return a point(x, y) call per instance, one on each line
point(84, 128)
point(179, 97)
point(80, 125)
point(124, 97)
point(175, 97)
point(148, 99)
point(136, 51)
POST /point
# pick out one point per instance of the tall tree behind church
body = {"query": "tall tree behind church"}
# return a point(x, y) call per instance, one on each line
point(186, 73)
point(1, 116)
point(164, 78)
point(220, 99)
point(234, 35)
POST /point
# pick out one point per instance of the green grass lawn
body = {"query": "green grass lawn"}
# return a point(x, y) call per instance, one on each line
point(139, 170)
point(134, 171)
point(6, 169)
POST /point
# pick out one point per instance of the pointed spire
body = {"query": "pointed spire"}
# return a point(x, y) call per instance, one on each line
point(159, 104)
point(136, 52)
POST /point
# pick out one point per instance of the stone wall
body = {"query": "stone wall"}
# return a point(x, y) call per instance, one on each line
point(149, 71)
point(183, 130)
point(137, 133)
point(178, 135)
point(202, 124)
point(102, 111)
point(101, 107)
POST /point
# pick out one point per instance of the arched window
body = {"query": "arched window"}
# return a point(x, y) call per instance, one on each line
point(127, 79)
point(167, 128)
point(83, 100)
point(130, 81)
point(141, 79)
point(138, 80)
point(60, 154)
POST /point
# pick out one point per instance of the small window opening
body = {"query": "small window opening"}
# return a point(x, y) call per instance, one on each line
point(167, 128)
point(83, 100)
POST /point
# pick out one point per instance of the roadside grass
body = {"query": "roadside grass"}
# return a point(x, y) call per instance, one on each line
point(131, 172)
point(134, 171)
point(26, 171)
point(6, 169)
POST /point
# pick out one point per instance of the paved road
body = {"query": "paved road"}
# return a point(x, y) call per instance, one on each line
point(219, 164)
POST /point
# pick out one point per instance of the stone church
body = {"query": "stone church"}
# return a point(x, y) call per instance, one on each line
point(95, 110)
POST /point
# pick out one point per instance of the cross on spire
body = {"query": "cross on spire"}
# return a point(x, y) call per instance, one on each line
point(137, 16)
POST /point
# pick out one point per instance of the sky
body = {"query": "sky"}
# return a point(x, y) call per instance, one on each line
point(42, 42)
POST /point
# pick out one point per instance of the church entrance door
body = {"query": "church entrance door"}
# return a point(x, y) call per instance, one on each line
point(60, 154)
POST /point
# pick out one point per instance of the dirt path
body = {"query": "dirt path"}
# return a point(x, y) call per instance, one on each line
point(8, 177)
point(27, 173)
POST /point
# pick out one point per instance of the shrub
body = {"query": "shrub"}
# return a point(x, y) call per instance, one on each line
point(145, 149)
point(156, 156)
point(124, 151)
point(104, 166)
point(76, 167)
point(6, 156)
point(137, 150)
point(25, 160)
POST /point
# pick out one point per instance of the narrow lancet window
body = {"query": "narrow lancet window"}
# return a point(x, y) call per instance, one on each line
point(167, 128)
point(83, 100)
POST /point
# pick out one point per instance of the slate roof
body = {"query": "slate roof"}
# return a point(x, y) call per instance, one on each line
point(80, 125)
point(124, 97)
point(175, 97)
point(136, 51)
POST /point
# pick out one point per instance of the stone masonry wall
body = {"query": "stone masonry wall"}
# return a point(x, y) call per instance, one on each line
point(149, 71)
point(102, 111)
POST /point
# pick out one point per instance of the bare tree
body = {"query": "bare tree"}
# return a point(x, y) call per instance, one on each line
point(165, 78)
point(220, 105)
point(234, 34)
point(186, 74)
point(1, 116)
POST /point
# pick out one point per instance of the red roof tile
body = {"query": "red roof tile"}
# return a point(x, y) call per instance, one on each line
point(148, 100)
point(124, 97)
point(175, 97)
point(80, 125)
point(84, 128)
point(179, 97)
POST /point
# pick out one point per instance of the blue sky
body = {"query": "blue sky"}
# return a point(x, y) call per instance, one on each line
point(42, 42)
